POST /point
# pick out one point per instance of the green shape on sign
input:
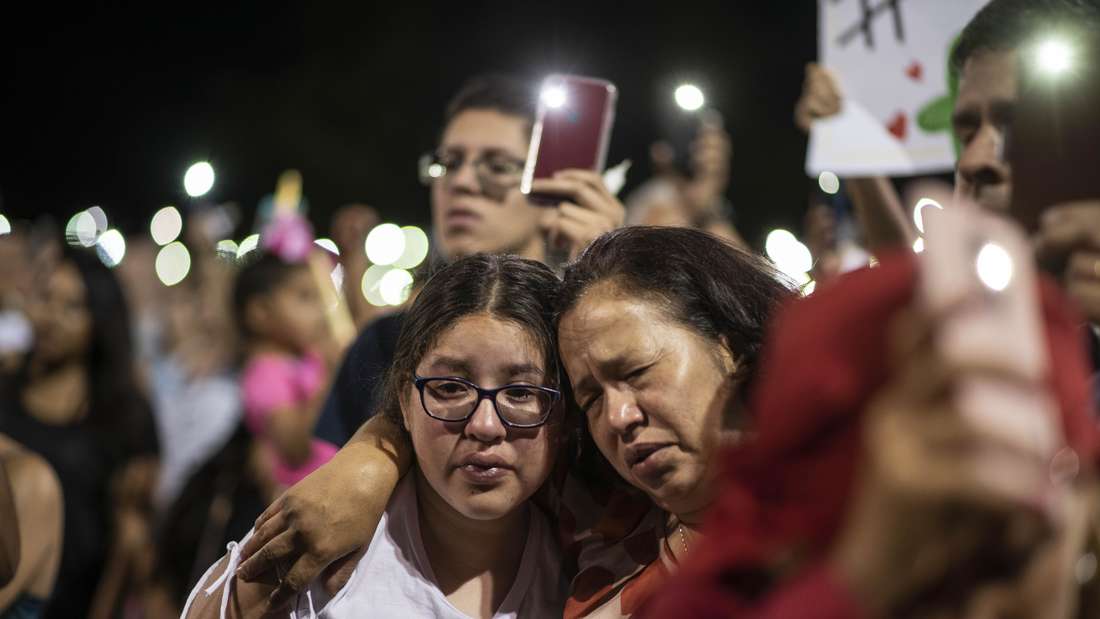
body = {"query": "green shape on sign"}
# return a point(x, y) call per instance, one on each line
point(935, 116)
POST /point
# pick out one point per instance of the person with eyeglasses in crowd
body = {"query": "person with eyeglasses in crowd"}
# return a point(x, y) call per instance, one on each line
point(477, 207)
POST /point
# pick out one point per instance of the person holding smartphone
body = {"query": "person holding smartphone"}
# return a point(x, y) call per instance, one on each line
point(474, 177)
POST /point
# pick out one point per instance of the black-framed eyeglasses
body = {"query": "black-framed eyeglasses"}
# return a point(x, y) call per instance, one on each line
point(494, 170)
point(449, 398)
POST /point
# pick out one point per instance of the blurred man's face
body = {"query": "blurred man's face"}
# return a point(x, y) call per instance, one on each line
point(983, 112)
point(477, 205)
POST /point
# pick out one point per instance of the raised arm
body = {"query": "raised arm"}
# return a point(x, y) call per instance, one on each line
point(329, 514)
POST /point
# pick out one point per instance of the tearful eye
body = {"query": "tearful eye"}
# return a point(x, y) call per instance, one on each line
point(448, 390)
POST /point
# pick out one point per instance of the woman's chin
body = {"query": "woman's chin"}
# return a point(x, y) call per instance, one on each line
point(485, 504)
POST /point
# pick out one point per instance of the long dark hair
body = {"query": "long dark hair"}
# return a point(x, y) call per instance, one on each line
point(699, 280)
point(507, 287)
point(117, 404)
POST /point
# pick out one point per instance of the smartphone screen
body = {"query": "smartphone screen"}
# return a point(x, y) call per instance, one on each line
point(572, 129)
point(1054, 143)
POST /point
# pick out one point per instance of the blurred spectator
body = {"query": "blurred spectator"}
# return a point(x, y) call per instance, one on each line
point(30, 540)
point(695, 200)
point(286, 347)
point(349, 228)
point(77, 402)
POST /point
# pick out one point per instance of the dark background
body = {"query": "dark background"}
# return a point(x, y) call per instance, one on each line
point(109, 104)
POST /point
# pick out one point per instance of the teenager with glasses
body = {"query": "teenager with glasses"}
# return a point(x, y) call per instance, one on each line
point(474, 386)
point(474, 176)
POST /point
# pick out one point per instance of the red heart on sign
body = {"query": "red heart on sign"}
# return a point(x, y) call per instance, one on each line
point(897, 126)
point(915, 71)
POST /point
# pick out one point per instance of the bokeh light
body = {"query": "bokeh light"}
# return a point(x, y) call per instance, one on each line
point(395, 286)
point(790, 256)
point(111, 247)
point(100, 219)
point(385, 244)
point(436, 170)
point(554, 96)
point(689, 97)
point(416, 248)
point(328, 245)
point(5, 225)
point(166, 225)
point(995, 267)
point(1055, 56)
point(370, 285)
point(829, 182)
point(173, 263)
point(199, 179)
point(918, 245)
point(81, 230)
point(918, 217)
point(226, 248)
point(248, 243)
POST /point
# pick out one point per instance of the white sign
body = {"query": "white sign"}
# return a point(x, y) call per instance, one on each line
point(890, 57)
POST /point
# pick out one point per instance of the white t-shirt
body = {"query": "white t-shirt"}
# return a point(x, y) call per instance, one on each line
point(394, 578)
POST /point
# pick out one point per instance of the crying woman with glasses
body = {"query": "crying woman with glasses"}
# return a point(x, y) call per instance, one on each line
point(475, 384)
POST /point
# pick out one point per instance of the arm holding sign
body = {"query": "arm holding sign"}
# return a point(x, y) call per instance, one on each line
point(877, 205)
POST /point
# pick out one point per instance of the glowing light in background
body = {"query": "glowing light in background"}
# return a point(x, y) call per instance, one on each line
point(337, 276)
point(5, 226)
point(789, 254)
point(111, 247)
point(385, 244)
point(369, 285)
point(809, 288)
point(166, 225)
point(1055, 56)
point(436, 170)
point(248, 243)
point(173, 263)
point(994, 267)
point(226, 248)
point(553, 96)
point(918, 218)
point(689, 97)
point(416, 248)
point(328, 245)
point(395, 286)
point(199, 179)
point(100, 218)
point(918, 245)
point(81, 230)
point(828, 182)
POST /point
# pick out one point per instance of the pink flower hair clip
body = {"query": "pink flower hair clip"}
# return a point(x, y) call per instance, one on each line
point(288, 236)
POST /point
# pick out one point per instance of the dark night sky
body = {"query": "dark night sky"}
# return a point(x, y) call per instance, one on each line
point(108, 105)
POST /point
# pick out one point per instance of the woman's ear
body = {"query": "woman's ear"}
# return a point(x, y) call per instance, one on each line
point(406, 398)
point(731, 365)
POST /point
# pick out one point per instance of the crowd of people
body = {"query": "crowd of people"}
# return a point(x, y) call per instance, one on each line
point(603, 408)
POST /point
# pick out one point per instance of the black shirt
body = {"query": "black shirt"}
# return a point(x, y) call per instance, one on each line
point(85, 458)
point(357, 389)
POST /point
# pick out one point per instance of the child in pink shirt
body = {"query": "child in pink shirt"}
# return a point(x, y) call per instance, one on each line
point(278, 308)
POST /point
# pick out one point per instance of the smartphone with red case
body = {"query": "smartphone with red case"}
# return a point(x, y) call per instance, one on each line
point(572, 129)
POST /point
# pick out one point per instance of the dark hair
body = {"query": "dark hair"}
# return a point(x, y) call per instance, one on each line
point(1005, 25)
point(510, 288)
point(500, 93)
point(261, 274)
point(117, 404)
point(699, 280)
